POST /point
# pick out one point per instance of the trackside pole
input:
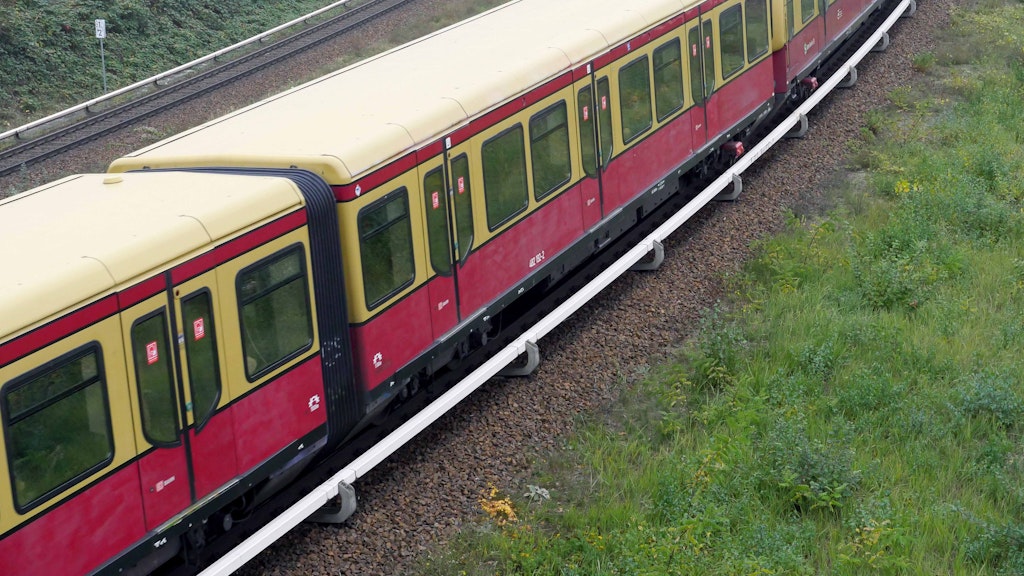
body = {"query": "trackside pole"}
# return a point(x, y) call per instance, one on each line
point(101, 33)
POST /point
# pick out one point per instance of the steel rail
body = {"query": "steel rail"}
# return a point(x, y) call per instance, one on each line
point(16, 132)
point(108, 121)
point(341, 482)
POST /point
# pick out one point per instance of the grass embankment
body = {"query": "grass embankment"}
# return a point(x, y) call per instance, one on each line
point(859, 406)
point(50, 58)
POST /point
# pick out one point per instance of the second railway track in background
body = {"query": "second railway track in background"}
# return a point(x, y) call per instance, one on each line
point(99, 124)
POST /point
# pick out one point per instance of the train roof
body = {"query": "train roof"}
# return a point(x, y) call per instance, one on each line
point(70, 241)
point(347, 123)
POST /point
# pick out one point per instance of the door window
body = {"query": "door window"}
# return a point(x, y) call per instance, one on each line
point(436, 202)
point(154, 375)
point(201, 348)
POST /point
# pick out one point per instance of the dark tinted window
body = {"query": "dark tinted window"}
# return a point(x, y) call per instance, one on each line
point(463, 206)
point(505, 190)
point(154, 374)
point(757, 28)
point(635, 98)
point(385, 247)
point(277, 321)
point(201, 349)
point(549, 150)
point(588, 140)
point(733, 55)
point(668, 79)
point(57, 425)
point(436, 203)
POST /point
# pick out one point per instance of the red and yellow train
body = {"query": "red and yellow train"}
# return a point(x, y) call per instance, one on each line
point(182, 336)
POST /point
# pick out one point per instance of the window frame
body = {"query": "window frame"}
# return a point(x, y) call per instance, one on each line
point(538, 195)
point(655, 79)
point(739, 56)
point(9, 421)
point(642, 62)
point(172, 378)
point(431, 222)
point(399, 193)
point(281, 254)
point(506, 218)
point(211, 332)
point(767, 28)
point(463, 201)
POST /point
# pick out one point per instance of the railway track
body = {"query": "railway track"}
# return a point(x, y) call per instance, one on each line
point(117, 117)
point(391, 525)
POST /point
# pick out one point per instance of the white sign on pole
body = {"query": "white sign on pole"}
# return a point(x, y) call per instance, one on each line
point(101, 33)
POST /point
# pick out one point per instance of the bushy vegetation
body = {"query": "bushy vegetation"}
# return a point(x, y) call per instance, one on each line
point(50, 57)
point(858, 408)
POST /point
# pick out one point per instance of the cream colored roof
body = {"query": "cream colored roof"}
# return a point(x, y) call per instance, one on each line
point(70, 241)
point(349, 122)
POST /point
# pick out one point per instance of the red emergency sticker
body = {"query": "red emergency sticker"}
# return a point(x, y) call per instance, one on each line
point(707, 42)
point(586, 113)
point(462, 184)
point(604, 102)
point(152, 353)
point(435, 199)
point(694, 50)
point(198, 329)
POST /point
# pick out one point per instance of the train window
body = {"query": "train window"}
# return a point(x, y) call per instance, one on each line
point(668, 79)
point(696, 75)
point(505, 189)
point(154, 376)
point(757, 28)
point(588, 141)
point(57, 423)
point(201, 348)
point(709, 58)
point(807, 10)
point(791, 20)
point(463, 206)
point(436, 202)
point(276, 318)
point(731, 25)
point(635, 98)
point(604, 119)
point(549, 149)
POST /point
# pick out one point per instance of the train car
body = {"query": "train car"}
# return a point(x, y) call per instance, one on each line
point(162, 342)
point(805, 33)
point(474, 167)
point(232, 304)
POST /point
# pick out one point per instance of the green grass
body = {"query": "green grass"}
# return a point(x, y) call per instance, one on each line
point(50, 57)
point(857, 408)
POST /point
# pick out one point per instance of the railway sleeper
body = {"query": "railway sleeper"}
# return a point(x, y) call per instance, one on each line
point(800, 130)
point(339, 509)
point(883, 43)
point(532, 360)
point(658, 256)
point(850, 80)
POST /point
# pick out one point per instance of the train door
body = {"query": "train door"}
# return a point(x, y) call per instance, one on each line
point(448, 203)
point(602, 105)
point(175, 372)
point(700, 41)
point(587, 107)
point(460, 213)
point(210, 439)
